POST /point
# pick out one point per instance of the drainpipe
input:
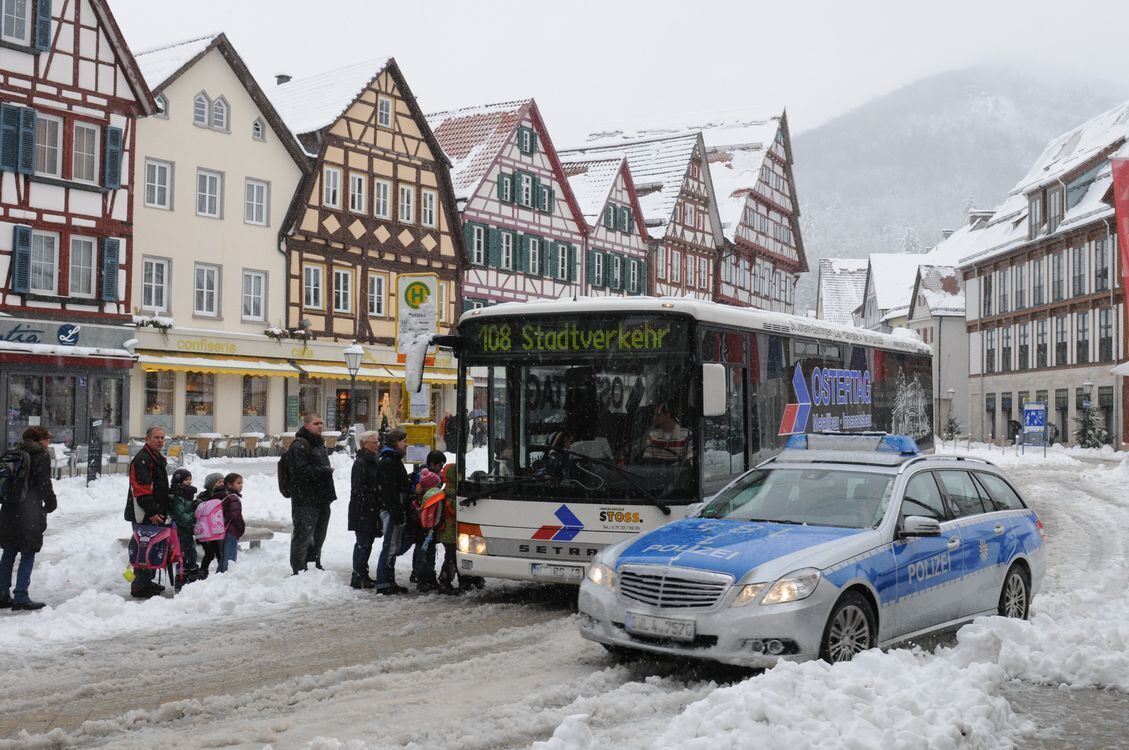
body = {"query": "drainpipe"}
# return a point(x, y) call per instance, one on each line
point(1113, 306)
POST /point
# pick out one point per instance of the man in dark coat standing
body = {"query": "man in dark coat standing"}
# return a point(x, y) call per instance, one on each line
point(364, 508)
point(311, 492)
point(148, 500)
point(394, 487)
point(24, 519)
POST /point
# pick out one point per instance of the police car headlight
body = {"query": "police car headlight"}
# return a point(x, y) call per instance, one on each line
point(748, 594)
point(793, 587)
point(601, 575)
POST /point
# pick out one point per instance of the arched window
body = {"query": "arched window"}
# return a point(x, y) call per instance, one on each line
point(258, 130)
point(200, 107)
point(219, 114)
point(162, 105)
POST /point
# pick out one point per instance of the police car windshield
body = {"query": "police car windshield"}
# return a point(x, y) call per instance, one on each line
point(815, 496)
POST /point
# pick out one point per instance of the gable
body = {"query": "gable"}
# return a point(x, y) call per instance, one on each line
point(361, 121)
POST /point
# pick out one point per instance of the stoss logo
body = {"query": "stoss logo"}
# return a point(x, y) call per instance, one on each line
point(416, 294)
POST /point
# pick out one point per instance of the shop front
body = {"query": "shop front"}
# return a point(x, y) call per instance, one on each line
point(63, 374)
point(210, 384)
point(325, 386)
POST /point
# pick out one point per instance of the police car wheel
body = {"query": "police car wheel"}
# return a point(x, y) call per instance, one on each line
point(1015, 598)
point(851, 628)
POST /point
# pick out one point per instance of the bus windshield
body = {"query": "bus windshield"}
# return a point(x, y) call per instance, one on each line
point(595, 423)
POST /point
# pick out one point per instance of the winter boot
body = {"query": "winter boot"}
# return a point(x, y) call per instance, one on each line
point(359, 582)
point(6, 602)
point(29, 605)
point(139, 590)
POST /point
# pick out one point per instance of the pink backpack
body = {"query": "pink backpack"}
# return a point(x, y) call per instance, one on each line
point(210, 526)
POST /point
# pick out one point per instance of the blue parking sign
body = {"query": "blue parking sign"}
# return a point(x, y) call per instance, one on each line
point(1034, 425)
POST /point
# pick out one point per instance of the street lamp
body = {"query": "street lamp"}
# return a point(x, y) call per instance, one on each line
point(353, 355)
point(1087, 388)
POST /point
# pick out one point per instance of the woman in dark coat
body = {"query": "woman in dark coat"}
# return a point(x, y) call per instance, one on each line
point(364, 508)
point(23, 521)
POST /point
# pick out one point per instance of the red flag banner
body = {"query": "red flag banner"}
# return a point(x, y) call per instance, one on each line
point(1121, 210)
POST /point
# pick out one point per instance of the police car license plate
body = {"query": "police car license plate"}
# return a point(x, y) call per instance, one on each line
point(547, 572)
point(660, 627)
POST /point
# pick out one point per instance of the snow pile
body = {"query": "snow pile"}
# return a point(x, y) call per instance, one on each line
point(890, 700)
point(572, 734)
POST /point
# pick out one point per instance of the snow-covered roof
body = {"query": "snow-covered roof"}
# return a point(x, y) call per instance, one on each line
point(160, 63)
point(1068, 155)
point(658, 166)
point(472, 138)
point(735, 171)
point(891, 276)
point(842, 282)
point(943, 289)
point(591, 181)
point(314, 102)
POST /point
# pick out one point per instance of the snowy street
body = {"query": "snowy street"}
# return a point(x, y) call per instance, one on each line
point(256, 657)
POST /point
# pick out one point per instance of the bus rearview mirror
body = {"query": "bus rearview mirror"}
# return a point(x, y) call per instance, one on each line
point(713, 390)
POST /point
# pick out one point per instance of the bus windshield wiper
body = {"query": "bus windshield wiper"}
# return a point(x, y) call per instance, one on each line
point(492, 488)
point(636, 480)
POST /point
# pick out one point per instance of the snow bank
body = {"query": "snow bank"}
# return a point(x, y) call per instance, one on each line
point(900, 699)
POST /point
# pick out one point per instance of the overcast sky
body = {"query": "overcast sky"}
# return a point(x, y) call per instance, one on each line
point(596, 64)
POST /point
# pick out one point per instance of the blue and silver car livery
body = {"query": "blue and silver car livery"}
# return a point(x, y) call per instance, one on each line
point(822, 554)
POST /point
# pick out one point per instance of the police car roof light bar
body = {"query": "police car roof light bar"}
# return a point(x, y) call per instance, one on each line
point(854, 441)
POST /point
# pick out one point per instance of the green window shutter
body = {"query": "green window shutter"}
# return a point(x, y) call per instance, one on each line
point(552, 253)
point(622, 219)
point(535, 193)
point(468, 304)
point(113, 158)
point(493, 247)
point(468, 235)
point(572, 257)
point(110, 254)
point(609, 216)
point(21, 259)
point(641, 288)
point(532, 141)
point(552, 199)
point(591, 268)
point(9, 137)
point(42, 28)
point(501, 187)
point(546, 265)
point(520, 254)
point(27, 140)
point(630, 220)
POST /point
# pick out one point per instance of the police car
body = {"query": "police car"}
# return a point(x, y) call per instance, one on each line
point(837, 545)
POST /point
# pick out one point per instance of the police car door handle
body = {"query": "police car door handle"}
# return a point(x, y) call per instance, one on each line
point(954, 542)
point(999, 529)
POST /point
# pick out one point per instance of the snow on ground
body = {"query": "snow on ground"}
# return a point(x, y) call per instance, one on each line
point(308, 662)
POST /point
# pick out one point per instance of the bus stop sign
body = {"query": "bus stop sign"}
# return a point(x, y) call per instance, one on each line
point(1035, 425)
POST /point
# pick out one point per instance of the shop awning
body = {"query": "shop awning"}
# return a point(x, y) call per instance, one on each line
point(378, 373)
point(367, 373)
point(215, 365)
point(1122, 369)
point(74, 355)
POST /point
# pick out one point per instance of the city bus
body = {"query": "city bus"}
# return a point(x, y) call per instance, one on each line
point(596, 419)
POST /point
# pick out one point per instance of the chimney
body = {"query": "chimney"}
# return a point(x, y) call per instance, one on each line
point(979, 214)
point(281, 78)
point(945, 234)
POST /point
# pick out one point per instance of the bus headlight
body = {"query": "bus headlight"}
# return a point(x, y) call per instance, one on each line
point(601, 575)
point(795, 586)
point(748, 594)
point(471, 544)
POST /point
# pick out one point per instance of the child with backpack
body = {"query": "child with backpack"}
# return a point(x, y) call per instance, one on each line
point(428, 517)
point(184, 504)
point(210, 528)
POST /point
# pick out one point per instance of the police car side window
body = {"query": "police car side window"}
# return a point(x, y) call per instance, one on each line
point(922, 498)
point(1004, 497)
point(963, 496)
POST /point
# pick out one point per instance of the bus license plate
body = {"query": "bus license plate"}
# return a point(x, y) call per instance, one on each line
point(660, 627)
point(547, 572)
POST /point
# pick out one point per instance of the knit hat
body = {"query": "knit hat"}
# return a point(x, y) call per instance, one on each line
point(212, 480)
point(179, 476)
point(428, 479)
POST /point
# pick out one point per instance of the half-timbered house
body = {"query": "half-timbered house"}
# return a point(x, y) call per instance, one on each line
point(70, 93)
point(616, 241)
point(216, 169)
point(676, 197)
point(378, 203)
point(751, 166)
point(523, 229)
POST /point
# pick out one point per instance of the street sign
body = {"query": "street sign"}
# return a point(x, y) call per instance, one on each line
point(1034, 425)
point(417, 308)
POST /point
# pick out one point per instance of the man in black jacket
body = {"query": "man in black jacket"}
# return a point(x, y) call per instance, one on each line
point(364, 508)
point(311, 492)
point(23, 520)
point(148, 500)
point(393, 487)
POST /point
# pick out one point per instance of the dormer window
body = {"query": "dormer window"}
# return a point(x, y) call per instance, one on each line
point(1054, 208)
point(162, 105)
point(1034, 215)
point(258, 130)
point(200, 108)
point(219, 114)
